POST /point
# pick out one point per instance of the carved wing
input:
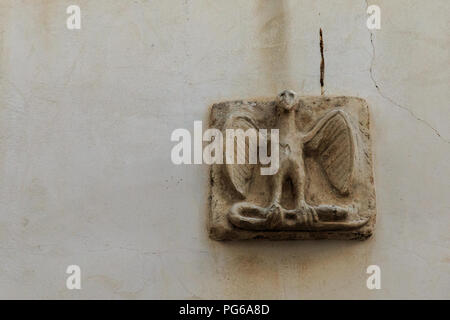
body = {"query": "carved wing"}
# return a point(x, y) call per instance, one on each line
point(332, 142)
point(240, 174)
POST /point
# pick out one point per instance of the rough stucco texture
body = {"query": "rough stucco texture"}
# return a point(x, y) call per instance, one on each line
point(85, 123)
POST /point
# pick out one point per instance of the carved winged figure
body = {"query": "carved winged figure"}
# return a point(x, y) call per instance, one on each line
point(331, 141)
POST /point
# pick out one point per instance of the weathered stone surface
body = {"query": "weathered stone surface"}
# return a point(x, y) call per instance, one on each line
point(324, 188)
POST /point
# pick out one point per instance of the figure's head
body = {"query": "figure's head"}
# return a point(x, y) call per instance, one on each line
point(286, 99)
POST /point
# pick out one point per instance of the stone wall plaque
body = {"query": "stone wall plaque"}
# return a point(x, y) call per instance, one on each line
point(324, 186)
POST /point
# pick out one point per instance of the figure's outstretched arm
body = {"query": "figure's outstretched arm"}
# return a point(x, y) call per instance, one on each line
point(311, 134)
point(240, 170)
point(332, 141)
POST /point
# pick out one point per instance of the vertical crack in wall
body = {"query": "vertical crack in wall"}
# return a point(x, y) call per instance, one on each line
point(322, 64)
point(390, 99)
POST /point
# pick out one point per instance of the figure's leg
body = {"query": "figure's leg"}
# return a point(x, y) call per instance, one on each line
point(274, 213)
point(277, 186)
point(297, 174)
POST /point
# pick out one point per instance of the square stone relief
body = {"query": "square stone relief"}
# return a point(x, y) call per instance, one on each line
point(322, 186)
